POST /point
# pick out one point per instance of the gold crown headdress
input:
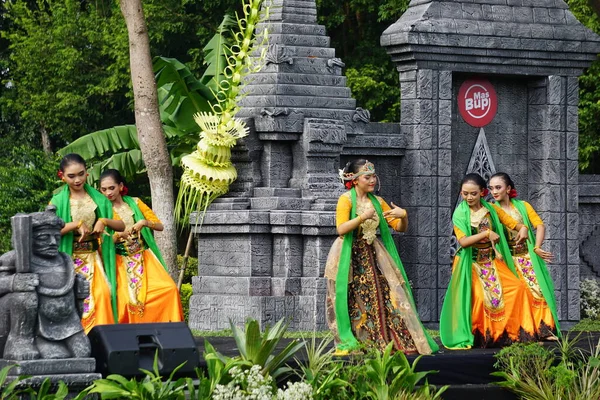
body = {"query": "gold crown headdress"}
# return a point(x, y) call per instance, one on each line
point(367, 169)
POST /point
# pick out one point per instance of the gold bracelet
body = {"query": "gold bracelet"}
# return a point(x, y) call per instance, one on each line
point(150, 224)
point(361, 218)
point(79, 224)
point(103, 220)
point(488, 233)
point(405, 214)
point(536, 248)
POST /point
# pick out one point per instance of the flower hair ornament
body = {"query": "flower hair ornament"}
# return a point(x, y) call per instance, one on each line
point(348, 177)
point(512, 193)
point(124, 191)
point(485, 192)
point(60, 174)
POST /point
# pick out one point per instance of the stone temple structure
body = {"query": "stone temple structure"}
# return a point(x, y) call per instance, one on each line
point(262, 249)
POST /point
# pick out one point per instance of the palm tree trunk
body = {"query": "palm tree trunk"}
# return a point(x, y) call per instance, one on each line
point(150, 133)
point(45, 140)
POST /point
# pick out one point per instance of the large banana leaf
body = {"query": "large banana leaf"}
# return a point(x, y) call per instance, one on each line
point(180, 94)
point(111, 140)
point(215, 55)
point(129, 164)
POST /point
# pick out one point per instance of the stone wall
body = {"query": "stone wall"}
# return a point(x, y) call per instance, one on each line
point(589, 226)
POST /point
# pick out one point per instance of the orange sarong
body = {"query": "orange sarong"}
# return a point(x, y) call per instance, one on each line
point(145, 291)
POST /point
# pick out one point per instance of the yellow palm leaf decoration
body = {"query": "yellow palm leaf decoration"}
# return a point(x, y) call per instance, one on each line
point(208, 171)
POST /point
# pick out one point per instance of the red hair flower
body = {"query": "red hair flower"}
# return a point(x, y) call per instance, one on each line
point(512, 193)
point(485, 192)
point(348, 185)
point(60, 174)
point(124, 191)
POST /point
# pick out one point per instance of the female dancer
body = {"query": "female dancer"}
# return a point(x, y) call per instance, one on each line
point(86, 236)
point(369, 301)
point(528, 256)
point(486, 304)
point(146, 291)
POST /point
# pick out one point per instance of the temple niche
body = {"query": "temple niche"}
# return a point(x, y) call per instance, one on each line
point(262, 248)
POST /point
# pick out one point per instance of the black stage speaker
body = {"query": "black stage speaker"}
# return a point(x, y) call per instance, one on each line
point(125, 348)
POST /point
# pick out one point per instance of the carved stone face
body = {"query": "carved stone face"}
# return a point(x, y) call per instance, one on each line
point(46, 239)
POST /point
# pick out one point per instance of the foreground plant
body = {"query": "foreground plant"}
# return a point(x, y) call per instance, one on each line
point(151, 387)
point(534, 372)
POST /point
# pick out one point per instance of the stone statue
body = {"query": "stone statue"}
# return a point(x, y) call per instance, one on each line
point(39, 293)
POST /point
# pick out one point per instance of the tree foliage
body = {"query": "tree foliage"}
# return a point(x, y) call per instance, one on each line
point(355, 27)
point(65, 63)
point(27, 179)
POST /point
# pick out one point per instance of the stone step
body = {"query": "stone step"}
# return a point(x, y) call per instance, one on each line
point(344, 116)
point(292, 28)
point(298, 90)
point(279, 203)
point(287, 15)
point(294, 3)
point(299, 102)
point(291, 7)
point(276, 192)
point(304, 51)
point(297, 79)
point(303, 65)
point(299, 40)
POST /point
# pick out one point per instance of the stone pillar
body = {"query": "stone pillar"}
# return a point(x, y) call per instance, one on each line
point(426, 117)
point(532, 53)
point(553, 180)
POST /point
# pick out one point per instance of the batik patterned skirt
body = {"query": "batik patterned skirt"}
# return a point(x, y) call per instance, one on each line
point(501, 309)
point(146, 292)
point(379, 305)
point(97, 309)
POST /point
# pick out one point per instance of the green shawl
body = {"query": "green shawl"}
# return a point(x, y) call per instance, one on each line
point(539, 266)
point(146, 233)
point(103, 210)
point(455, 320)
point(347, 339)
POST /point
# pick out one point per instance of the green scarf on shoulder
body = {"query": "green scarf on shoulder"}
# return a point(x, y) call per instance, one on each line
point(103, 210)
point(539, 266)
point(146, 232)
point(347, 339)
point(455, 320)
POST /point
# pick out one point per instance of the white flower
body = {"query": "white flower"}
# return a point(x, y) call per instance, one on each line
point(296, 391)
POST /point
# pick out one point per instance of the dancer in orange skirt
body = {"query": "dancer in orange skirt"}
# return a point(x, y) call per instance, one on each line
point(486, 304)
point(146, 292)
point(86, 236)
point(528, 256)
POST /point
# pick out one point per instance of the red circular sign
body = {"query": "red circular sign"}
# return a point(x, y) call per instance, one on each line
point(477, 102)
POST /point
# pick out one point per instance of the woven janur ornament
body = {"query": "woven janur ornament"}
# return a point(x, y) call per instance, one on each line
point(208, 171)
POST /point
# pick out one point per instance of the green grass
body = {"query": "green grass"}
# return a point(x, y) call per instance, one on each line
point(587, 325)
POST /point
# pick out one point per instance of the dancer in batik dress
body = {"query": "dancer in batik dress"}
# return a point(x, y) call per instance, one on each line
point(369, 300)
point(146, 291)
point(528, 256)
point(486, 304)
point(87, 237)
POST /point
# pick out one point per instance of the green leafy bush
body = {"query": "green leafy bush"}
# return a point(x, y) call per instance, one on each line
point(191, 268)
point(27, 180)
point(535, 372)
point(186, 293)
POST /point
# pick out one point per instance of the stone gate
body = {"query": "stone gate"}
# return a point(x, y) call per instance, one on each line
point(262, 249)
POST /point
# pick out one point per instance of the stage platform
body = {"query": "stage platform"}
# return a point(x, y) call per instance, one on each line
point(466, 371)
